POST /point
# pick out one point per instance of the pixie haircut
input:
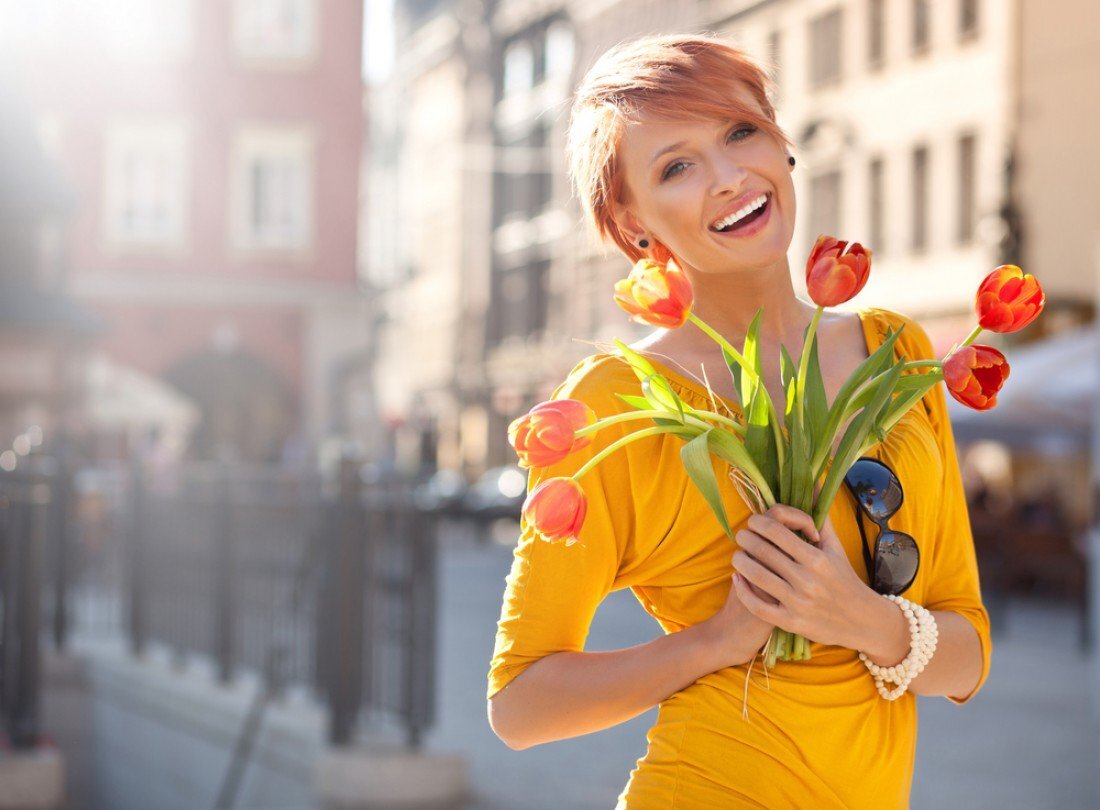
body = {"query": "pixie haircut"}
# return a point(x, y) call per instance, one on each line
point(667, 78)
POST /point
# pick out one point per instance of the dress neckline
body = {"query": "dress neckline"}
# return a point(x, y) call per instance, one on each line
point(870, 321)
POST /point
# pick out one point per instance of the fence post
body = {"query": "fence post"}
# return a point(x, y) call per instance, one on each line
point(61, 510)
point(137, 569)
point(346, 643)
point(225, 610)
point(421, 643)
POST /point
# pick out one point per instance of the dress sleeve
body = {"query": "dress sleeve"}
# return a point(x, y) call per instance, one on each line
point(552, 590)
point(953, 582)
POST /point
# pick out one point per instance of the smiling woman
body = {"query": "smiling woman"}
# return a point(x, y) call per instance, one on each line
point(676, 155)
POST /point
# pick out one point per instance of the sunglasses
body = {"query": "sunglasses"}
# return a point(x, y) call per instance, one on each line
point(878, 493)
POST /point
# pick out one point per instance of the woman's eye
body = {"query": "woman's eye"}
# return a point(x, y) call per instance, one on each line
point(746, 130)
point(673, 169)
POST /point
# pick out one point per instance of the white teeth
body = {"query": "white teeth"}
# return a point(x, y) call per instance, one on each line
point(726, 223)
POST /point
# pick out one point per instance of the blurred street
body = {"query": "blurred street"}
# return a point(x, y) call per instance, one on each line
point(1027, 740)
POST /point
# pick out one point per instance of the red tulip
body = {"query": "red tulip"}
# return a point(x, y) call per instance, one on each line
point(556, 508)
point(833, 276)
point(974, 374)
point(1008, 299)
point(545, 435)
point(656, 293)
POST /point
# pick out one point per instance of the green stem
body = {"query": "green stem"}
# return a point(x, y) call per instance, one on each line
point(630, 437)
point(970, 338)
point(614, 420)
point(804, 361)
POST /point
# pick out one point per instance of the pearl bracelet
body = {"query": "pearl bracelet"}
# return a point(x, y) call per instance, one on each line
point(923, 637)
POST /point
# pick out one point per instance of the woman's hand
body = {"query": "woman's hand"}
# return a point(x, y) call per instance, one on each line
point(806, 588)
point(734, 634)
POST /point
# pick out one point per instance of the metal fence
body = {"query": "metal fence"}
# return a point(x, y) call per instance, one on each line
point(30, 514)
point(329, 585)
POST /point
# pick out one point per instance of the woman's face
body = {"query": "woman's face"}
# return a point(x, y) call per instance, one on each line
point(684, 180)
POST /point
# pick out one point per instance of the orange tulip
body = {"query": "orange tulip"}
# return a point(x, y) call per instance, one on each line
point(974, 374)
point(545, 435)
point(656, 293)
point(833, 276)
point(556, 509)
point(1008, 299)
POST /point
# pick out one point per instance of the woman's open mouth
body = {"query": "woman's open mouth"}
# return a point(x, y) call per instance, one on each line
point(749, 223)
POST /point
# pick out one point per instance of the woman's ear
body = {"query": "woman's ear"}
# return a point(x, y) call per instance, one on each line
point(629, 225)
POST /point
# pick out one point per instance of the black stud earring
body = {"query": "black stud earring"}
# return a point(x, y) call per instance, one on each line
point(643, 243)
point(790, 159)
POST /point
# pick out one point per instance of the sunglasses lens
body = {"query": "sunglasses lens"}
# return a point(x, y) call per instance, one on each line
point(897, 559)
point(876, 487)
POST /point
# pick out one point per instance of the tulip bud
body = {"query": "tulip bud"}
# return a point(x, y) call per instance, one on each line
point(834, 276)
point(556, 509)
point(974, 374)
point(656, 293)
point(1008, 299)
point(546, 434)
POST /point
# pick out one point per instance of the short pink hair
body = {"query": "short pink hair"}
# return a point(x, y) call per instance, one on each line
point(673, 78)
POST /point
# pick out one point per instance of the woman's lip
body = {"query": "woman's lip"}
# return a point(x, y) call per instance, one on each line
point(752, 228)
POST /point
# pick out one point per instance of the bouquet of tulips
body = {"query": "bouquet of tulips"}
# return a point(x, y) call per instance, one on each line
point(786, 458)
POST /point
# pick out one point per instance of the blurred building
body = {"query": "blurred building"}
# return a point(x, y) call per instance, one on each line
point(942, 135)
point(214, 150)
point(43, 332)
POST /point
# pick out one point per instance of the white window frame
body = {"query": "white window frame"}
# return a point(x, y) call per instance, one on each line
point(299, 50)
point(146, 141)
point(288, 144)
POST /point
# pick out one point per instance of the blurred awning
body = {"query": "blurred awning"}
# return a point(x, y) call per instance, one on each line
point(1048, 400)
point(123, 398)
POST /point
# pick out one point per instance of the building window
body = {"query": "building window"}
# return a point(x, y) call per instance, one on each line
point(273, 189)
point(825, 200)
point(276, 31)
point(877, 194)
point(968, 19)
point(519, 67)
point(922, 24)
point(146, 170)
point(559, 51)
point(967, 192)
point(876, 34)
point(920, 199)
point(825, 49)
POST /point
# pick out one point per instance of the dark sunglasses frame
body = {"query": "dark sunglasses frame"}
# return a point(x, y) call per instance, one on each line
point(855, 479)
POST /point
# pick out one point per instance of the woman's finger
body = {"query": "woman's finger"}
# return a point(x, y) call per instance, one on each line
point(760, 576)
point(784, 538)
point(754, 604)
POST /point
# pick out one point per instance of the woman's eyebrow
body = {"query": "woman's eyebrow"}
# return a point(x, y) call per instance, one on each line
point(670, 148)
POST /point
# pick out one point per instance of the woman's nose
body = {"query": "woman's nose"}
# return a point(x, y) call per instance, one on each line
point(726, 175)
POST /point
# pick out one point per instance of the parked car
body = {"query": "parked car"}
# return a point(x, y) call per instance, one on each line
point(498, 493)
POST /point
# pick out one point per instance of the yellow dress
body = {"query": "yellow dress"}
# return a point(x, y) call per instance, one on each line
point(821, 736)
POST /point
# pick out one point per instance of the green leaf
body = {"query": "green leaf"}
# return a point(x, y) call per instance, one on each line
point(659, 393)
point(816, 406)
point(751, 353)
point(879, 359)
point(696, 457)
point(735, 374)
point(640, 403)
point(760, 439)
point(729, 448)
point(642, 367)
point(853, 440)
point(787, 373)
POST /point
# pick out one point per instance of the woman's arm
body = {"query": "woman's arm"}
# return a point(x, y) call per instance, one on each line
point(569, 693)
point(956, 665)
